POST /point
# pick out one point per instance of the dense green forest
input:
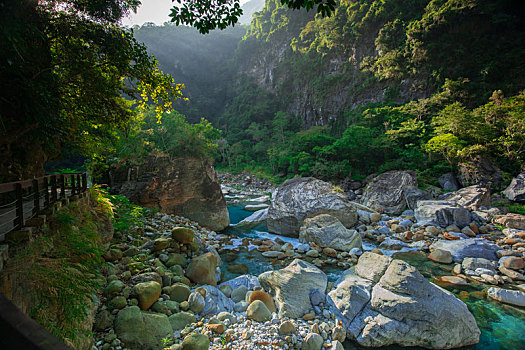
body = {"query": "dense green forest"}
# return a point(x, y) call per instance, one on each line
point(378, 85)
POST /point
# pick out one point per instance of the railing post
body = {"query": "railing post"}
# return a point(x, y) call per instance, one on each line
point(54, 194)
point(46, 193)
point(36, 198)
point(19, 220)
point(62, 187)
point(84, 181)
point(72, 177)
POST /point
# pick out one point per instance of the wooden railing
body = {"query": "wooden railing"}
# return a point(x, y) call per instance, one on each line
point(23, 200)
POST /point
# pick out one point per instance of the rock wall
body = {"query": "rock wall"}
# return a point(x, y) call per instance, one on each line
point(182, 186)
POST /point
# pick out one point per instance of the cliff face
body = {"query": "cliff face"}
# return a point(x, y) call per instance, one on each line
point(181, 186)
point(317, 83)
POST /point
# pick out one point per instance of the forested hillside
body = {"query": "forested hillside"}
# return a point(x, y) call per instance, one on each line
point(378, 85)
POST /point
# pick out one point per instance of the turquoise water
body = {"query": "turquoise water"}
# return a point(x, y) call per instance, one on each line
point(502, 326)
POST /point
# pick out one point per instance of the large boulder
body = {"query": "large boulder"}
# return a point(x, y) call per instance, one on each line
point(471, 197)
point(327, 231)
point(202, 269)
point(442, 213)
point(301, 198)
point(292, 286)
point(468, 248)
point(401, 307)
point(516, 190)
point(142, 330)
point(479, 170)
point(183, 186)
point(388, 190)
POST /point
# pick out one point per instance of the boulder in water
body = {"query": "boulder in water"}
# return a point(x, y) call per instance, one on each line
point(301, 198)
point(468, 248)
point(399, 306)
point(327, 231)
point(255, 219)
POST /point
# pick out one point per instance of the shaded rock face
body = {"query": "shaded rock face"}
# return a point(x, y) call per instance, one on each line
point(327, 231)
point(516, 190)
point(442, 213)
point(414, 195)
point(399, 306)
point(479, 171)
point(388, 190)
point(448, 182)
point(301, 198)
point(293, 285)
point(183, 186)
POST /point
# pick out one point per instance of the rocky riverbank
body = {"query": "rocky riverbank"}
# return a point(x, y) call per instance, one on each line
point(165, 288)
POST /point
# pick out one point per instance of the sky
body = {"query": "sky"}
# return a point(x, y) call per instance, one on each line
point(155, 11)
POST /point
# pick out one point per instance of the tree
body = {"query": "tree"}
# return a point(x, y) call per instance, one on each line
point(68, 71)
point(447, 144)
point(206, 15)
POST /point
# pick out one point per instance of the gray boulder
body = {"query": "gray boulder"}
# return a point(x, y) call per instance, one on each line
point(477, 263)
point(142, 330)
point(292, 286)
point(471, 197)
point(448, 182)
point(388, 190)
point(401, 307)
point(301, 198)
point(516, 190)
point(512, 297)
point(215, 301)
point(442, 213)
point(468, 248)
point(255, 219)
point(327, 231)
point(249, 281)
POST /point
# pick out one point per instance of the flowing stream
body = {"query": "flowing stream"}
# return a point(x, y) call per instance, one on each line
point(502, 326)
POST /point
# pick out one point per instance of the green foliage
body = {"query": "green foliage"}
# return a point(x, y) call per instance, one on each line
point(212, 14)
point(127, 214)
point(513, 208)
point(60, 269)
point(66, 70)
